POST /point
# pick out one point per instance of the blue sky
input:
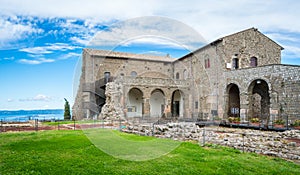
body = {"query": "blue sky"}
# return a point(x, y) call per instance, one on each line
point(41, 41)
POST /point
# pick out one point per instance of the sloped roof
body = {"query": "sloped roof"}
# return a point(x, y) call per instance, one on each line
point(125, 55)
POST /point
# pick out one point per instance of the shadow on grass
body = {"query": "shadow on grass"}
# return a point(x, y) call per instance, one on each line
point(129, 146)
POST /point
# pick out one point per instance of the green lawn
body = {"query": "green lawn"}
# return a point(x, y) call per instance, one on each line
point(71, 152)
point(71, 122)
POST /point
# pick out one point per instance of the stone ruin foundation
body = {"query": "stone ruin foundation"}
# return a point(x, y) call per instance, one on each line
point(279, 144)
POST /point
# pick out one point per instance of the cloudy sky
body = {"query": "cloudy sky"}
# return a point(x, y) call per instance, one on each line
point(41, 41)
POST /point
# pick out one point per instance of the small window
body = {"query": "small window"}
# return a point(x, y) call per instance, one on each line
point(133, 74)
point(185, 74)
point(235, 63)
point(177, 76)
point(207, 63)
point(253, 62)
point(196, 104)
point(107, 77)
point(131, 109)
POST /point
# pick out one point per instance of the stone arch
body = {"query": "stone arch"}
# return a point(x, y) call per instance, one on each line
point(233, 104)
point(177, 105)
point(135, 102)
point(157, 103)
point(259, 100)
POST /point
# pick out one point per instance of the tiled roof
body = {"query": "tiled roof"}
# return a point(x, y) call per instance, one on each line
point(106, 53)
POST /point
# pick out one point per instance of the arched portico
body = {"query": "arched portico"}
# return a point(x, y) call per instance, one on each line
point(157, 103)
point(135, 103)
point(259, 100)
point(233, 100)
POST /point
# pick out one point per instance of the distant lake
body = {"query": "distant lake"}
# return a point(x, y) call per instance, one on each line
point(25, 115)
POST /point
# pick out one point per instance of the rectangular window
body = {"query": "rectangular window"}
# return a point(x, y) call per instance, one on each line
point(196, 104)
point(131, 109)
point(235, 63)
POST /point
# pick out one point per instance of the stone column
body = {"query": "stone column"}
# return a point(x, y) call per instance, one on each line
point(244, 107)
point(146, 107)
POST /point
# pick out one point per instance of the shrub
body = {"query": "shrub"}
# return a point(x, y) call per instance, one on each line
point(296, 123)
point(217, 118)
point(279, 122)
point(254, 120)
point(233, 119)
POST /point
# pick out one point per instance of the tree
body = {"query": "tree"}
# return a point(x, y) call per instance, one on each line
point(67, 114)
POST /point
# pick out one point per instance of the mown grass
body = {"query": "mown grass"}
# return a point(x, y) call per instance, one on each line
point(71, 152)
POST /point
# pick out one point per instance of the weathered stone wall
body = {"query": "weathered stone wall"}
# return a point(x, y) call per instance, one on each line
point(284, 87)
point(125, 67)
point(246, 44)
point(280, 144)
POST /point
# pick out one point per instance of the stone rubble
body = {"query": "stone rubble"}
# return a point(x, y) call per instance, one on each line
point(279, 144)
point(112, 110)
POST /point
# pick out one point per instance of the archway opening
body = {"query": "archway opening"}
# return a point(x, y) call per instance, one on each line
point(177, 104)
point(157, 103)
point(259, 101)
point(233, 100)
point(135, 103)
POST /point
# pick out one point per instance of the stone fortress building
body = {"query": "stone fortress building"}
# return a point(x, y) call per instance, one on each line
point(239, 75)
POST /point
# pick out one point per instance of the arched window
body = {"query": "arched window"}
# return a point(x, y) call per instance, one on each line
point(253, 62)
point(177, 76)
point(235, 63)
point(207, 63)
point(133, 74)
point(107, 77)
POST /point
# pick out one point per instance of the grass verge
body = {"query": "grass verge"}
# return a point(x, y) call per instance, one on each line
point(71, 152)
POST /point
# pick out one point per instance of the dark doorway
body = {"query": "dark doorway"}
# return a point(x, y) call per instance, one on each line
point(177, 104)
point(176, 107)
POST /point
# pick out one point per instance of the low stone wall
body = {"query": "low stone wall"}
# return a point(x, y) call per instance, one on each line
point(280, 144)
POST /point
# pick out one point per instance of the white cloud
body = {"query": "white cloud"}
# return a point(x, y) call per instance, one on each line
point(10, 100)
point(163, 42)
point(70, 55)
point(291, 52)
point(12, 31)
point(39, 97)
point(159, 30)
point(283, 37)
point(81, 40)
point(49, 48)
point(9, 58)
point(36, 61)
point(211, 18)
point(38, 53)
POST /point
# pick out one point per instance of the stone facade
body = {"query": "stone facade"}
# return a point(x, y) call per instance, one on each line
point(239, 75)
